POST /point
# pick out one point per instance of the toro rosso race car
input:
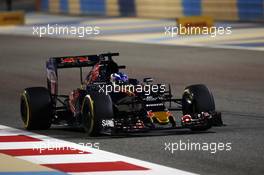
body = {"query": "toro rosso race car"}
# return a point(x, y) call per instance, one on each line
point(108, 102)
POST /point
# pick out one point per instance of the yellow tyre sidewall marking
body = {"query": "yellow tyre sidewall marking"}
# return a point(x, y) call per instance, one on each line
point(28, 110)
point(91, 103)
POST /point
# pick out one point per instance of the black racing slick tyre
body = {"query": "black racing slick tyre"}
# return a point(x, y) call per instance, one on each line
point(197, 99)
point(96, 107)
point(36, 108)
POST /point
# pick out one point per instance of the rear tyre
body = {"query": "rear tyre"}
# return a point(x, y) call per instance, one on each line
point(197, 99)
point(36, 108)
point(96, 107)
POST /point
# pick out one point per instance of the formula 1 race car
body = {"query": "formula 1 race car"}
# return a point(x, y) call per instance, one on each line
point(109, 102)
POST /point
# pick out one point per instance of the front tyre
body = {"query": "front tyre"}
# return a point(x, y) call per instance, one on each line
point(36, 108)
point(96, 107)
point(197, 99)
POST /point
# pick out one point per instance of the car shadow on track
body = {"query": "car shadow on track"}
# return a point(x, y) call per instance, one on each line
point(76, 133)
point(154, 134)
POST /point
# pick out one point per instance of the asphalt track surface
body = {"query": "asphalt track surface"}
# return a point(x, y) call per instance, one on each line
point(236, 78)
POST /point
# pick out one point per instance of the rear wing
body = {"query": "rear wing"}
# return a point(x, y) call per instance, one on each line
point(55, 63)
point(78, 61)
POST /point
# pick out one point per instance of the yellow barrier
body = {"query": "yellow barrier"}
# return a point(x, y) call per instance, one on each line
point(159, 8)
point(12, 18)
point(74, 7)
point(221, 10)
point(195, 24)
point(112, 8)
point(54, 6)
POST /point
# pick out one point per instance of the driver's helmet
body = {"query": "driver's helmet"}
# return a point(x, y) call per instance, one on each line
point(119, 78)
